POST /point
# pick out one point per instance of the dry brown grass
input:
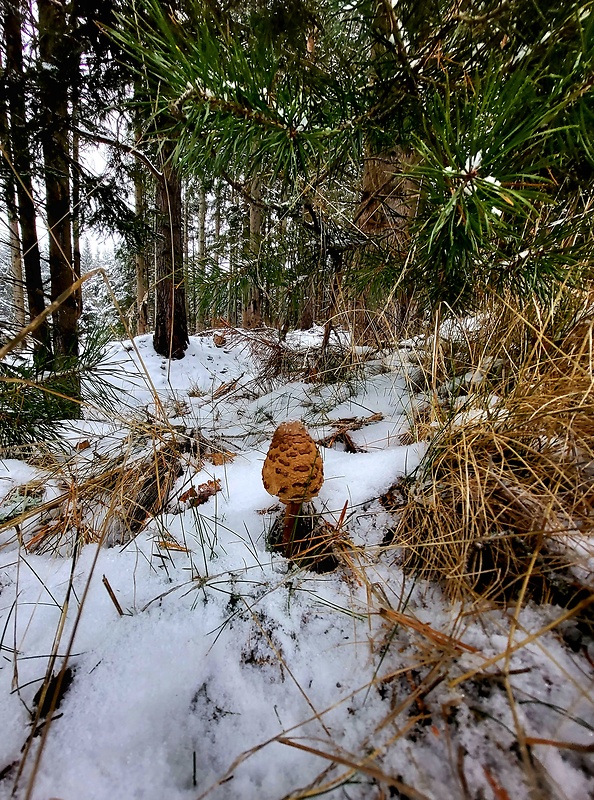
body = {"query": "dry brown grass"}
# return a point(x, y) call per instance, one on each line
point(109, 499)
point(109, 506)
point(506, 494)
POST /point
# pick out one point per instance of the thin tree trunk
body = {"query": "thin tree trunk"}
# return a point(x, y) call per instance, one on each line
point(24, 185)
point(16, 264)
point(201, 254)
point(189, 270)
point(140, 257)
point(306, 320)
point(202, 226)
point(252, 311)
point(16, 268)
point(76, 261)
point(235, 240)
point(171, 325)
point(217, 219)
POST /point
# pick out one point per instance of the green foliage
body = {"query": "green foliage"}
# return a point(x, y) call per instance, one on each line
point(238, 100)
point(26, 413)
point(32, 403)
point(288, 268)
point(496, 107)
point(489, 167)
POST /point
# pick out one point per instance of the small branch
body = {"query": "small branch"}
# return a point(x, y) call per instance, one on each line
point(240, 187)
point(228, 107)
point(112, 596)
point(140, 156)
point(127, 148)
point(478, 20)
point(411, 76)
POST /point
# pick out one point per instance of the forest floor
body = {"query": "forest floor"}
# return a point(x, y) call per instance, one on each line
point(196, 660)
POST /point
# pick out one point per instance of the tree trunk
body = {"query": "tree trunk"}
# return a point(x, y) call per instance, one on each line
point(201, 254)
point(171, 325)
point(386, 207)
point(252, 310)
point(306, 321)
point(234, 258)
point(76, 199)
point(58, 62)
point(142, 287)
point(202, 226)
point(16, 267)
point(24, 184)
point(218, 189)
point(189, 274)
point(55, 54)
point(386, 197)
point(384, 214)
point(16, 264)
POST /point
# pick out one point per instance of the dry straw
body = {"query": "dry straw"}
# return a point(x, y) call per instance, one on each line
point(505, 496)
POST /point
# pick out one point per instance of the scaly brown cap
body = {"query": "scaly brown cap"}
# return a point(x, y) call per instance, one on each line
point(293, 469)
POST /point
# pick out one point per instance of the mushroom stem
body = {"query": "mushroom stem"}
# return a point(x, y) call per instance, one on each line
point(290, 525)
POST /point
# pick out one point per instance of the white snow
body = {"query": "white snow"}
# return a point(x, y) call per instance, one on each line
point(473, 162)
point(232, 673)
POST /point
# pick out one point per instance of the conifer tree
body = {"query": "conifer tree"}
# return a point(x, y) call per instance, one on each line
point(18, 149)
point(56, 56)
point(171, 326)
point(485, 116)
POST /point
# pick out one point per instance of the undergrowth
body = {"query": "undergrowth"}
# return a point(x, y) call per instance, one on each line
point(498, 514)
point(503, 500)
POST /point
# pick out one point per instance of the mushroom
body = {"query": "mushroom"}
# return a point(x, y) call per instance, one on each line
point(293, 472)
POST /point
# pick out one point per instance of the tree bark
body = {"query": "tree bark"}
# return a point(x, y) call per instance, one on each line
point(142, 284)
point(384, 214)
point(386, 206)
point(386, 197)
point(55, 54)
point(235, 253)
point(16, 264)
point(252, 310)
point(218, 190)
point(171, 324)
point(76, 198)
point(202, 226)
point(24, 185)
point(306, 320)
point(201, 251)
point(16, 267)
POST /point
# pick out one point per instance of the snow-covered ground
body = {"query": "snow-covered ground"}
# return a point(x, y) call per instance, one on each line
point(229, 672)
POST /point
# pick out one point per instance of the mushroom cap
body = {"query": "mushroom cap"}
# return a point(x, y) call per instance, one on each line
point(293, 469)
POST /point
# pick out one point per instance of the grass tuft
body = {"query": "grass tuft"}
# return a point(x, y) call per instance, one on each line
point(504, 498)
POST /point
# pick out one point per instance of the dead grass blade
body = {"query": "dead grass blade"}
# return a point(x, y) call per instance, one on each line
point(437, 638)
point(588, 601)
point(358, 766)
point(112, 596)
point(578, 748)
